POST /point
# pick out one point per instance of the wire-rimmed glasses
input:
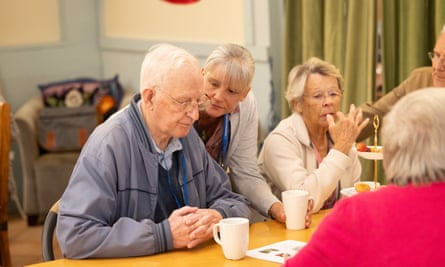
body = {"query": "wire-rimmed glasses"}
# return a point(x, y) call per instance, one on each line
point(320, 96)
point(434, 56)
point(189, 105)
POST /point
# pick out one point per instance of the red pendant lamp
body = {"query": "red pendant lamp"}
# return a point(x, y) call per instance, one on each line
point(181, 2)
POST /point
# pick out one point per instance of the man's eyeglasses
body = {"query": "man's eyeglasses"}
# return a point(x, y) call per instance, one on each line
point(189, 105)
point(434, 56)
point(320, 96)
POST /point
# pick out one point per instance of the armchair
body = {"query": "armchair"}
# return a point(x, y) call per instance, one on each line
point(45, 174)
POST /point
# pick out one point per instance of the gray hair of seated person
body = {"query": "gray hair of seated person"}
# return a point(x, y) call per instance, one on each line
point(161, 63)
point(238, 64)
point(413, 138)
point(299, 74)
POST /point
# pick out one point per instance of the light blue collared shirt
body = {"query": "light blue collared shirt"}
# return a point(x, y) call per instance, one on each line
point(165, 157)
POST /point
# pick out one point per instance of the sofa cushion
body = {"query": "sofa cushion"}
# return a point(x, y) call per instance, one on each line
point(73, 108)
point(81, 91)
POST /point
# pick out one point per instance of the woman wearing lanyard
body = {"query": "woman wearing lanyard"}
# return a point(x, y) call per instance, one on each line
point(308, 150)
point(228, 126)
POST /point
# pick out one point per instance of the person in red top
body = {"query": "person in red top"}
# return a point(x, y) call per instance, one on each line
point(401, 224)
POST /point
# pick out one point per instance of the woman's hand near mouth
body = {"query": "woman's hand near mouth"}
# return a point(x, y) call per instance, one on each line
point(345, 130)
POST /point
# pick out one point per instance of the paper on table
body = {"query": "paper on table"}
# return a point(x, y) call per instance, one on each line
point(277, 252)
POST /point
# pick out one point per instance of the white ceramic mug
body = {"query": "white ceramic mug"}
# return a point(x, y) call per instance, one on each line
point(232, 234)
point(295, 204)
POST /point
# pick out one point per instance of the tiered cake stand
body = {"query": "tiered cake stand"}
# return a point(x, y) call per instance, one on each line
point(376, 150)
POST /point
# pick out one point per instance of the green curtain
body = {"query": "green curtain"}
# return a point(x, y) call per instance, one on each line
point(342, 32)
point(409, 31)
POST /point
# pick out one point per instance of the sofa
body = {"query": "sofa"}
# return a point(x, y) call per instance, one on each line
point(45, 174)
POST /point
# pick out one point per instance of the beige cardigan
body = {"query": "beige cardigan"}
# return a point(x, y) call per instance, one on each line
point(287, 161)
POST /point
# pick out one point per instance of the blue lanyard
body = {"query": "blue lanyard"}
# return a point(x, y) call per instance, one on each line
point(225, 139)
point(184, 179)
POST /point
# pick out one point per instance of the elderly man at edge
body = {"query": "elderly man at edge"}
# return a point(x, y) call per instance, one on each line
point(144, 183)
point(400, 224)
point(419, 78)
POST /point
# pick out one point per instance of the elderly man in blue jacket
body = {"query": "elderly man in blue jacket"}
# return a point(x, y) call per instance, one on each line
point(144, 183)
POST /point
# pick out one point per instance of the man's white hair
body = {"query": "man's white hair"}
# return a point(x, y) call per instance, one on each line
point(443, 29)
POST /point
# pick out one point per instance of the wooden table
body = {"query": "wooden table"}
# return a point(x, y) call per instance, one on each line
point(207, 254)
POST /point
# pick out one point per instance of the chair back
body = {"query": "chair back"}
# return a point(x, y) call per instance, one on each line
point(5, 145)
point(48, 233)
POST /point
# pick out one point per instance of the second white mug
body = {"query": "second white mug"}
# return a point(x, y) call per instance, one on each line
point(295, 204)
point(233, 236)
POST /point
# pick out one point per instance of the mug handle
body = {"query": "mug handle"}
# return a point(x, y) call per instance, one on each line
point(216, 230)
